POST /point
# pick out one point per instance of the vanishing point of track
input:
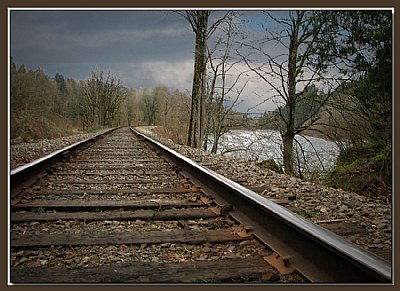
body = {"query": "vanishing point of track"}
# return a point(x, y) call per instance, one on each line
point(121, 208)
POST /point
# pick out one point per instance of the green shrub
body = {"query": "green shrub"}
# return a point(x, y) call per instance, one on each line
point(364, 169)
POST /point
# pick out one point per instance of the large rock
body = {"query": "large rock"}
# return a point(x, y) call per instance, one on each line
point(271, 165)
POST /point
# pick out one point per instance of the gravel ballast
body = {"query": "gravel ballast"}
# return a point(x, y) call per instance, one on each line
point(313, 201)
point(24, 152)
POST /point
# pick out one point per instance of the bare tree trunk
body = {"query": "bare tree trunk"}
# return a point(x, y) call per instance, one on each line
point(198, 89)
point(201, 51)
point(203, 93)
point(291, 102)
point(288, 156)
point(217, 135)
point(191, 124)
point(191, 140)
point(199, 22)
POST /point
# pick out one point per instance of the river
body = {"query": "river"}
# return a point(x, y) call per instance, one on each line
point(319, 155)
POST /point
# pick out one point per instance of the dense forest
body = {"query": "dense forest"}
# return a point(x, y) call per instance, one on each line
point(333, 78)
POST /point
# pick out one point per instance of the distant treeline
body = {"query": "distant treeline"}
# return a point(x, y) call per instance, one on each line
point(46, 107)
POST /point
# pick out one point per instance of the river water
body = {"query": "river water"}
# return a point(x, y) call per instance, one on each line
point(319, 155)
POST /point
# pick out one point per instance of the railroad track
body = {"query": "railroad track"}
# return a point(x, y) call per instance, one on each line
point(121, 208)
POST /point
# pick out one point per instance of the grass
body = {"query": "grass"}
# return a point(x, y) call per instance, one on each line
point(346, 168)
point(304, 213)
point(29, 126)
point(363, 169)
point(39, 210)
point(96, 128)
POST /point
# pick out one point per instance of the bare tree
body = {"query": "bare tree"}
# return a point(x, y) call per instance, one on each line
point(198, 20)
point(150, 106)
point(224, 87)
point(174, 114)
point(291, 71)
point(101, 99)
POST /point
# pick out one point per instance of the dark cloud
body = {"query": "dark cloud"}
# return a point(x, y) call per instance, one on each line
point(144, 48)
point(81, 40)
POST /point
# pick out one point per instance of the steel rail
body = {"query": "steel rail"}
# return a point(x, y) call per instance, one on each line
point(318, 254)
point(26, 175)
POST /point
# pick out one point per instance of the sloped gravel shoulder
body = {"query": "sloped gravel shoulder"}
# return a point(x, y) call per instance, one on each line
point(24, 152)
point(313, 201)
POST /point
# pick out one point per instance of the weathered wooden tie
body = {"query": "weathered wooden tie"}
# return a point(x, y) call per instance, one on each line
point(225, 270)
point(117, 191)
point(95, 205)
point(114, 182)
point(127, 238)
point(162, 215)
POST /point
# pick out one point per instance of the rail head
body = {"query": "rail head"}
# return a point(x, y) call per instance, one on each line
point(370, 266)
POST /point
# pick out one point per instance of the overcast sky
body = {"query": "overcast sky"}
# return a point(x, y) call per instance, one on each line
point(144, 48)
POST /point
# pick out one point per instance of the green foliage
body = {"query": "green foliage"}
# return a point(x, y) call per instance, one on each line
point(346, 168)
point(379, 158)
point(350, 180)
point(363, 169)
point(39, 210)
point(308, 104)
point(95, 128)
point(304, 213)
point(150, 107)
point(35, 105)
point(357, 152)
point(363, 40)
point(43, 107)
